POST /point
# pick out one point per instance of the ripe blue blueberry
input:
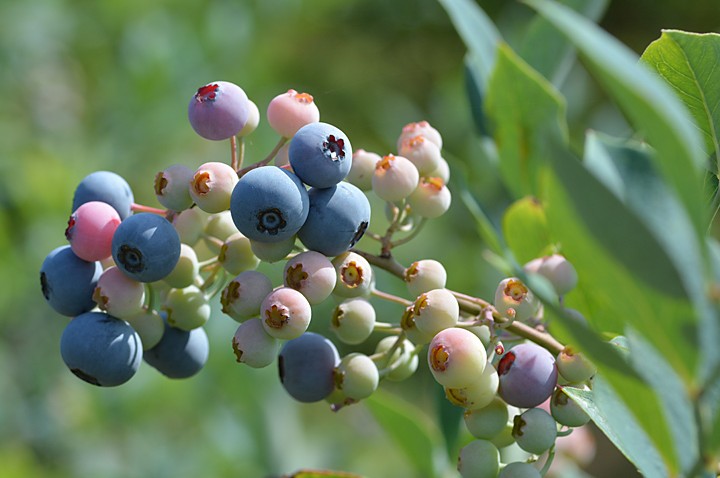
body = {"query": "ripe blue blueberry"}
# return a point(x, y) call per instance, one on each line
point(146, 247)
point(68, 282)
point(180, 353)
point(337, 219)
point(320, 154)
point(100, 349)
point(269, 204)
point(306, 366)
point(107, 187)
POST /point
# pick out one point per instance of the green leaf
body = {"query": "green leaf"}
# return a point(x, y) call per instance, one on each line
point(688, 62)
point(648, 102)
point(547, 50)
point(412, 430)
point(481, 37)
point(322, 474)
point(626, 278)
point(628, 170)
point(526, 111)
point(525, 229)
point(613, 418)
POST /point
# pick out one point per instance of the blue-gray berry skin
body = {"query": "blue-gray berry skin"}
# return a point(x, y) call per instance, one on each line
point(146, 247)
point(101, 349)
point(68, 282)
point(528, 375)
point(338, 218)
point(320, 154)
point(180, 353)
point(306, 366)
point(269, 204)
point(107, 187)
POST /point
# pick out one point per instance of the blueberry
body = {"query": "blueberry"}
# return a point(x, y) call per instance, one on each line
point(68, 282)
point(306, 367)
point(107, 187)
point(338, 218)
point(218, 110)
point(320, 154)
point(269, 204)
point(528, 375)
point(146, 247)
point(180, 353)
point(101, 349)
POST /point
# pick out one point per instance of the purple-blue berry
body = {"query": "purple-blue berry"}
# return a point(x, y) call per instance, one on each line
point(528, 375)
point(320, 154)
point(306, 366)
point(68, 282)
point(218, 110)
point(107, 187)
point(180, 353)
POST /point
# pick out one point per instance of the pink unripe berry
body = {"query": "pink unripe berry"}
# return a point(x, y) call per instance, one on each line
point(436, 310)
point(354, 275)
point(456, 357)
point(422, 152)
point(362, 169)
point(288, 112)
point(442, 171)
point(425, 275)
point(218, 110)
point(556, 269)
point(118, 295)
point(243, 296)
point(285, 313)
point(511, 293)
point(90, 230)
point(420, 128)
point(431, 198)
point(171, 187)
point(253, 346)
point(312, 274)
point(395, 178)
point(212, 185)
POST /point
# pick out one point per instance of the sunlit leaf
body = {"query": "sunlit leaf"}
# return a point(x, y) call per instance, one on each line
point(525, 229)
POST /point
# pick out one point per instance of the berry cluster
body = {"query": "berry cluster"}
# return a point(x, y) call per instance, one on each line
point(138, 280)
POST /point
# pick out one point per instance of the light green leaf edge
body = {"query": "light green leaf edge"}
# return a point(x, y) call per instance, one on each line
point(526, 111)
point(688, 62)
point(619, 425)
point(649, 103)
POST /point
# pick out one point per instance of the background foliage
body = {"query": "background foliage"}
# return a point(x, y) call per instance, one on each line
point(105, 85)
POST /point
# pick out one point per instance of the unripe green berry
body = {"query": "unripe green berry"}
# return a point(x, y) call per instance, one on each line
point(574, 367)
point(171, 187)
point(425, 275)
point(353, 320)
point(356, 376)
point(186, 269)
point(403, 363)
point(479, 393)
point(212, 185)
point(407, 323)
point(253, 346)
point(511, 293)
point(479, 459)
point(190, 225)
point(566, 411)
point(519, 469)
point(436, 310)
point(354, 275)
point(487, 422)
point(219, 227)
point(150, 327)
point(535, 430)
point(187, 308)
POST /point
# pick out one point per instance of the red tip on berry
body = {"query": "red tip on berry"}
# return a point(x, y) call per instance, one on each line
point(207, 92)
point(506, 363)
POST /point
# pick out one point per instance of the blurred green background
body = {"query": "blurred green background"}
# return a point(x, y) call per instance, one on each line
point(92, 85)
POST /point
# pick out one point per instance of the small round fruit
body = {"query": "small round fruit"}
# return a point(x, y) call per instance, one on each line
point(306, 365)
point(68, 282)
point(511, 293)
point(171, 187)
point(356, 376)
point(420, 128)
point(253, 346)
point(395, 178)
point(90, 230)
point(320, 154)
point(487, 422)
point(574, 366)
point(436, 310)
point(430, 199)
point(422, 152)
point(354, 275)
point(180, 353)
point(479, 459)
point(285, 313)
point(288, 112)
point(362, 169)
point(566, 411)
point(187, 308)
point(101, 349)
point(404, 361)
point(236, 254)
point(456, 357)
point(535, 430)
point(243, 296)
point(519, 469)
point(107, 187)
point(477, 394)
point(425, 275)
point(211, 186)
point(528, 375)
point(353, 320)
point(218, 110)
point(312, 274)
point(118, 295)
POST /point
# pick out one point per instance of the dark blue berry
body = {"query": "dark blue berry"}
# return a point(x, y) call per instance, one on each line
point(180, 353)
point(306, 366)
point(528, 375)
point(146, 247)
point(269, 204)
point(101, 349)
point(337, 219)
point(107, 187)
point(320, 154)
point(68, 282)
